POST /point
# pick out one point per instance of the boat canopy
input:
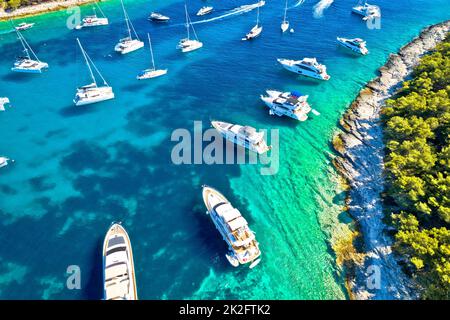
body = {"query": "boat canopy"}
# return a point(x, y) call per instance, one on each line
point(231, 215)
point(115, 271)
point(237, 223)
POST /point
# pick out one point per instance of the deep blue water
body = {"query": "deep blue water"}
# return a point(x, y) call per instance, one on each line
point(79, 169)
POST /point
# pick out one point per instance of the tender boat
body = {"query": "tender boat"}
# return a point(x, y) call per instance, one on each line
point(188, 44)
point(255, 31)
point(128, 44)
point(242, 244)
point(292, 104)
point(356, 45)
point(158, 17)
point(285, 23)
point(368, 11)
point(119, 281)
point(205, 10)
point(244, 136)
point(93, 20)
point(25, 63)
point(3, 101)
point(152, 72)
point(24, 26)
point(4, 161)
point(308, 67)
point(92, 93)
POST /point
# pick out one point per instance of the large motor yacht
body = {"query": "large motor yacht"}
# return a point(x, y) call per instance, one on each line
point(234, 229)
point(244, 136)
point(368, 11)
point(292, 104)
point(308, 67)
point(119, 282)
point(356, 45)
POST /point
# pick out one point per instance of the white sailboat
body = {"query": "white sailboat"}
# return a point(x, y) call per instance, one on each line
point(94, 20)
point(92, 93)
point(26, 63)
point(152, 72)
point(128, 44)
point(188, 44)
point(255, 31)
point(285, 23)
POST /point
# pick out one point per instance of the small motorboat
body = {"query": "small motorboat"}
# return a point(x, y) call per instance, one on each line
point(24, 26)
point(205, 10)
point(158, 17)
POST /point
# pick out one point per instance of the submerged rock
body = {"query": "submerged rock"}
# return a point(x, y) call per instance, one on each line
point(360, 161)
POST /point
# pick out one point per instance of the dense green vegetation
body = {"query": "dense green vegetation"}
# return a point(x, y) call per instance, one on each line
point(417, 132)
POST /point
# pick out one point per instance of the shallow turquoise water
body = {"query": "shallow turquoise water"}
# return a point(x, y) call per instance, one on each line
point(79, 169)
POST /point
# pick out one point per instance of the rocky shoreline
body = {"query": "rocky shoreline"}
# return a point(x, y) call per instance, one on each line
point(360, 149)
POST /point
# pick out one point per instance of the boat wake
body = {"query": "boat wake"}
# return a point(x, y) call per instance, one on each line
point(320, 7)
point(299, 3)
point(239, 10)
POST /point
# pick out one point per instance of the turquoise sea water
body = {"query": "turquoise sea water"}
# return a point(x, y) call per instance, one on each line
point(79, 169)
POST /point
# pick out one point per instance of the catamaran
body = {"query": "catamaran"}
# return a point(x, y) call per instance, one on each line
point(256, 30)
point(119, 281)
point(292, 104)
point(26, 63)
point(188, 44)
point(244, 136)
point(93, 20)
point(242, 244)
point(128, 44)
point(3, 101)
point(152, 72)
point(24, 26)
point(356, 45)
point(92, 93)
point(368, 11)
point(308, 67)
point(285, 23)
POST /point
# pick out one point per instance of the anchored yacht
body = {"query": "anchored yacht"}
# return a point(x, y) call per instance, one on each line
point(255, 31)
point(118, 267)
point(29, 63)
point(244, 136)
point(285, 23)
point(158, 17)
point(187, 44)
point(205, 10)
point(292, 104)
point(357, 45)
point(3, 101)
point(4, 161)
point(308, 67)
point(368, 11)
point(92, 93)
point(152, 72)
point(93, 20)
point(128, 44)
point(24, 26)
point(234, 229)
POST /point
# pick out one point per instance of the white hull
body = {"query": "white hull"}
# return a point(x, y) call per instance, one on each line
point(4, 161)
point(93, 95)
point(204, 11)
point(290, 66)
point(280, 111)
point(254, 33)
point(95, 23)
point(361, 51)
point(284, 26)
point(37, 67)
point(128, 46)
point(150, 74)
point(190, 45)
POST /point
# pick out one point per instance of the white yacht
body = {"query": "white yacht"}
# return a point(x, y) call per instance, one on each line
point(285, 23)
point(205, 10)
point(308, 67)
point(356, 45)
point(93, 20)
point(29, 63)
point(128, 44)
point(292, 104)
point(4, 161)
point(188, 44)
point(244, 136)
point(3, 101)
point(92, 92)
point(158, 17)
point(119, 281)
point(368, 11)
point(234, 229)
point(152, 72)
point(255, 31)
point(24, 26)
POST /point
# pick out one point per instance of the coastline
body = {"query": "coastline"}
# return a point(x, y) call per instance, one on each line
point(360, 158)
point(42, 8)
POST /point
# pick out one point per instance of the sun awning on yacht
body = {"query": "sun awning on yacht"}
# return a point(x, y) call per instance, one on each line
point(237, 223)
point(231, 215)
point(115, 271)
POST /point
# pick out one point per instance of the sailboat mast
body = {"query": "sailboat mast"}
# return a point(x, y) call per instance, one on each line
point(87, 62)
point(285, 11)
point(126, 19)
point(187, 20)
point(151, 51)
point(25, 49)
point(257, 17)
